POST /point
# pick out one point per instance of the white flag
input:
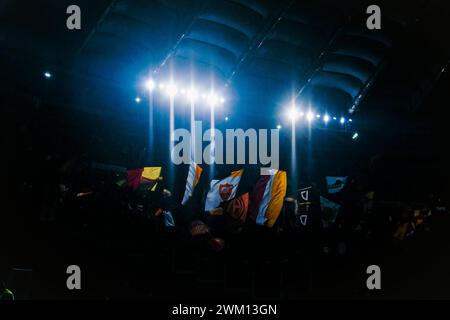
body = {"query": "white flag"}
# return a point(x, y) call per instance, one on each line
point(193, 177)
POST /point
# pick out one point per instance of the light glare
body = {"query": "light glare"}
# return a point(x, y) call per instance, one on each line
point(171, 90)
point(150, 84)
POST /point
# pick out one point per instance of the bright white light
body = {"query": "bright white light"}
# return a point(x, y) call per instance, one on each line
point(162, 86)
point(279, 127)
point(309, 116)
point(183, 91)
point(192, 95)
point(355, 136)
point(212, 99)
point(47, 74)
point(222, 100)
point(326, 118)
point(150, 84)
point(350, 120)
point(342, 120)
point(171, 90)
point(226, 118)
point(292, 113)
point(301, 114)
point(334, 118)
point(138, 99)
point(318, 116)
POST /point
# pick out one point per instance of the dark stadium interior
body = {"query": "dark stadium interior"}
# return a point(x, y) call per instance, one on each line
point(392, 83)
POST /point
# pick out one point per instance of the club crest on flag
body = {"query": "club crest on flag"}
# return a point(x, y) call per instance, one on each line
point(225, 191)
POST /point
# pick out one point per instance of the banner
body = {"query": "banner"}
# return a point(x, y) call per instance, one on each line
point(193, 178)
point(298, 208)
point(329, 210)
point(236, 211)
point(335, 184)
point(222, 190)
point(266, 199)
point(150, 175)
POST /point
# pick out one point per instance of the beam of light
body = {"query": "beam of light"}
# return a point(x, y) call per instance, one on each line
point(172, 140)
point(355, 136)
point(171, 89)
point(150, 85)
point(213, 139)
point(309, 116)
point(342, 121)
point(292, 114)
point(137, 99)
point(293, 155)
point(47, 75)
point(192, 101)
point(213, 99)
point(151, 129)
point(326, 118)
point(192, 95)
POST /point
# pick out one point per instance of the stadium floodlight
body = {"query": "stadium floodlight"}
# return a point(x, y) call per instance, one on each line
point(326, 118)
point(171, 89)
point(342, 121)
point(150, 85)
point(47, 75)
point(192, 95)
point(212, 99)
point(292, 113)
point(137, 99)
point(309, 116)
point(355, 136)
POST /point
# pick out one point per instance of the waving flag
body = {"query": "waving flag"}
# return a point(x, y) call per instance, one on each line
point(237, 208)
point(194, 174)
point(222, 190)
point(335, 184)
point(266, 199)
point(136, 177)
point(329, 209)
